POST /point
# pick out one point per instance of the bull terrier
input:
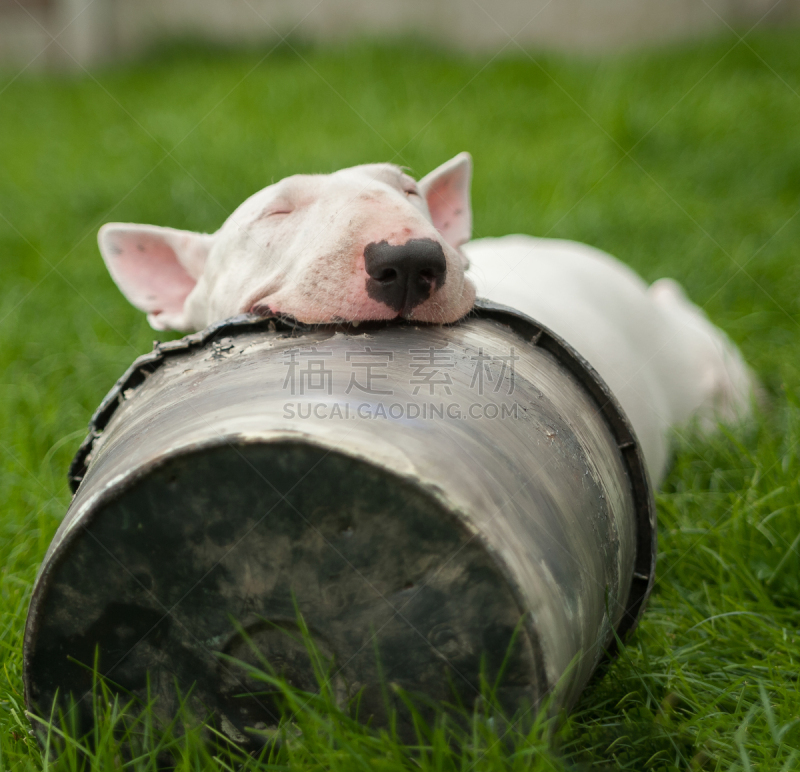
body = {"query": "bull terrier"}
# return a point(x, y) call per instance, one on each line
point(371, 243)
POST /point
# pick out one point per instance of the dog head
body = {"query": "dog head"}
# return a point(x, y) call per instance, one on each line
point(363, 243)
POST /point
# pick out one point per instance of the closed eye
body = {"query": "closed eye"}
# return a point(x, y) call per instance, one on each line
point(409, 185)
point(278, 207)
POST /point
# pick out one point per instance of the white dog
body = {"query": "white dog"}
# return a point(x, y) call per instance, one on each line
point(371, 243)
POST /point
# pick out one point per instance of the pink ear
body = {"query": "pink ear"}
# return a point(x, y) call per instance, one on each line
point(446, 191)
point(156, 268)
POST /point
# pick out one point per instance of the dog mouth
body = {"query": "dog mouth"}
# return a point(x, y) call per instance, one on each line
point(425, 305)
point(406, 308)
point(261, 309)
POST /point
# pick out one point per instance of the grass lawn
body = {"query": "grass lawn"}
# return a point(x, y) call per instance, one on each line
point(682, 162)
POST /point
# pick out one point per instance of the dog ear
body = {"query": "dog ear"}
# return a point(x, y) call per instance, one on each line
point(446, 191)
point(156, 268)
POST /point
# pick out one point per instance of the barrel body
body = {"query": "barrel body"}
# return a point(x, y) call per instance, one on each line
point(437, 503)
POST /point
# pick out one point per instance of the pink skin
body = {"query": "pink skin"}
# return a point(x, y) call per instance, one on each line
point(297, 247)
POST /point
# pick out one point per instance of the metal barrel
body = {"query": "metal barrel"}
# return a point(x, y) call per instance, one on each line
point(441, 504)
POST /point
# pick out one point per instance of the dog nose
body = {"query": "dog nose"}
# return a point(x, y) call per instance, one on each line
point(404, 275)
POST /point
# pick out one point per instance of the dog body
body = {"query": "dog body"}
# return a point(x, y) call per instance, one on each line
point(666, 363)
point(370, 243)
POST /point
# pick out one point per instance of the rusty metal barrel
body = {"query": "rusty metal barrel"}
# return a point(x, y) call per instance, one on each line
point(440, 505)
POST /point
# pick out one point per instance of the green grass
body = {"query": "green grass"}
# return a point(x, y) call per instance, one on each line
point(682, 162)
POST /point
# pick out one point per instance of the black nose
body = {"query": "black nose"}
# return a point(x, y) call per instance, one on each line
point(403, 276)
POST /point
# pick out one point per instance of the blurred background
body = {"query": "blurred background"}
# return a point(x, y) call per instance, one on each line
point(89, 31)
point(666, 132)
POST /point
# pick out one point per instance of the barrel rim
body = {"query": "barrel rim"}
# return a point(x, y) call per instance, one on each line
point(621, 429)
